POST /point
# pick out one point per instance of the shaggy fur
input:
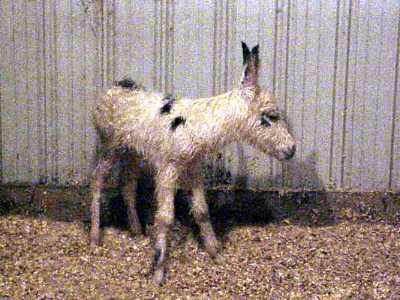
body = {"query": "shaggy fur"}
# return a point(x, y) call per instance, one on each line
point(173, 136)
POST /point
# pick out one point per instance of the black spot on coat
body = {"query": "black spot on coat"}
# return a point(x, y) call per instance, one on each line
point(169, 102)
point(127, 83)
point(176, 122)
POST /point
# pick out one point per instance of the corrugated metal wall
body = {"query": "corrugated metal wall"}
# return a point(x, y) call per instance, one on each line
point(334, 65)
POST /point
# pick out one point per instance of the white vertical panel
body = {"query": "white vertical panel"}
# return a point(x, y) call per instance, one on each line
point(63, 90)
point(109, 43)
point(93, 77)
point(129, 40)
point(310, 178)
point(193, 49)
point(325, 79)
point(163, 19)
point(8, 105)
point(148, 43)
point(21, 89)
point(50, 92)
point(204, 33)
point(296, 72)
point(394, 166)
point(33, 70)
point(77, 110)
point(186, 49)
point(371, 91)
point(387, 48)
point(395, 180)
point(358, 98)
point(41, 99)
point(350, 97)
point(77, 117)
point(338, 93)
point(369, 125)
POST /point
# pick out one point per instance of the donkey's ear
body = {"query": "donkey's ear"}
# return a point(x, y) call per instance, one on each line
point(254, 57)
point(254, 51)
point(246, 53)
point(250, 62)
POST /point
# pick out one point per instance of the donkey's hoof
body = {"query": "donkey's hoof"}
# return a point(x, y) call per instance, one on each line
point(158, 278)
point(94, 242)
point(136, 231)
point(218, 259)
point(94, 245)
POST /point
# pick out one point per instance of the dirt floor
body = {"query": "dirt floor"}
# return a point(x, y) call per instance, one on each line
point(275, 246)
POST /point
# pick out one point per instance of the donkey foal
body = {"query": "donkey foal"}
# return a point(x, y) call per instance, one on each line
point(173, 136)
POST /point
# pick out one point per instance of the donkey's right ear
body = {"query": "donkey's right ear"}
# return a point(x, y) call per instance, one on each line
point(250, 66)
point(246, 53)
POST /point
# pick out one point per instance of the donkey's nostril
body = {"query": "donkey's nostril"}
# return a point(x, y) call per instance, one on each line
point(290, 153)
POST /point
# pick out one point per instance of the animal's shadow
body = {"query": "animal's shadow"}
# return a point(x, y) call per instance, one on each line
point(228, 208)
point(231, 208)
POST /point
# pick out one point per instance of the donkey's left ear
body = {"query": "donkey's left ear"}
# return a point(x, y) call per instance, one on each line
point(251, 62)
point(246, 53)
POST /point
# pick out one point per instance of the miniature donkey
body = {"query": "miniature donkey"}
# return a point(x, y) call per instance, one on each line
point(173, 136)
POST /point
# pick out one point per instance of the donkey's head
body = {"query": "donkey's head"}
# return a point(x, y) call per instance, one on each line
point(265, 127)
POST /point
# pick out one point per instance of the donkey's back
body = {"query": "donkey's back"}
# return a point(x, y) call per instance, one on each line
point(162, 127)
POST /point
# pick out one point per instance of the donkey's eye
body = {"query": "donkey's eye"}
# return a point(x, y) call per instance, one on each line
point(269, 117)
point(273, 115)
point(265, 120)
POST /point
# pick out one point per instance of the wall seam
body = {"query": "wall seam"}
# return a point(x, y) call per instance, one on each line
point(394, 107)
point(345, 98)
point(334, 82)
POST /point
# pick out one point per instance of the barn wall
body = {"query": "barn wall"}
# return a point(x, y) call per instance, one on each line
point(334, 66)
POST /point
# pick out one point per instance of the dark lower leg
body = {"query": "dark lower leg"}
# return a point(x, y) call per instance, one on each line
point(129, 195)
point(129, 186)
point(163, 220)
point(95, 220)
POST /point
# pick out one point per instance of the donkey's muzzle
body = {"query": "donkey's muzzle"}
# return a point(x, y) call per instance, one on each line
point(290, 152)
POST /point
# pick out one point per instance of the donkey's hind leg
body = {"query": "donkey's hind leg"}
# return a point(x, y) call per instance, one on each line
point(129, 175)
point(102, 169)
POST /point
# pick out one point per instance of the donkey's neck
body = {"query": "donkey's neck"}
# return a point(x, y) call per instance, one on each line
point(222, 119)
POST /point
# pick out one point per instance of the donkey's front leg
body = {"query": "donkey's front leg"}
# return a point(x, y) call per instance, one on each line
point(166, 187)
point(202, 218)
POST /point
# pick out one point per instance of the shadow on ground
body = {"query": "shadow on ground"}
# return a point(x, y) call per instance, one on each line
point(229, 208)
